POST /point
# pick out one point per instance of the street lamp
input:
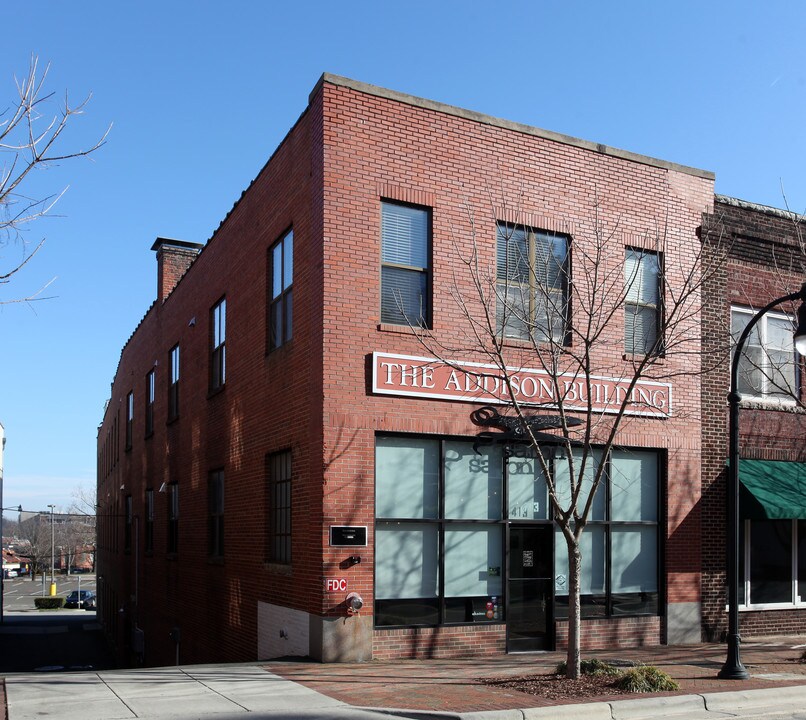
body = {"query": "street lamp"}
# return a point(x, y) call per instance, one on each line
point(52, 546)
point(733, 668)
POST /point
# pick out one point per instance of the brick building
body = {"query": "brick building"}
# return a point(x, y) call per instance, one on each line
point(278, 438)
point(758, 255)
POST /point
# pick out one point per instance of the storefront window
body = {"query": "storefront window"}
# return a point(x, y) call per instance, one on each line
point(773, 566)
point(473, 482)
point(528, 493)
point(622, 535)
point(414, 585)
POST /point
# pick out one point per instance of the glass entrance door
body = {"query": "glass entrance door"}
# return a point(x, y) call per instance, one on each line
point(529, 588)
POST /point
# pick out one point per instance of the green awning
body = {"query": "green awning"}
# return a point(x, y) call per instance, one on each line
point(772, 490)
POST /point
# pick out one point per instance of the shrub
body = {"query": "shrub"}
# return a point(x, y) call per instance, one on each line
point(591, 667)
point(645, 679)
point(49, 603)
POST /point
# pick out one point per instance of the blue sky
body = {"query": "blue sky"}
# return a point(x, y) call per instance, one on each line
point(200, 93)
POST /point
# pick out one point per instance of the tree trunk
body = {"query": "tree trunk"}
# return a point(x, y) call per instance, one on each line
point(573, 656)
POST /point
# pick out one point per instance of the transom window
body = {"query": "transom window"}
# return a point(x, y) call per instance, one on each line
point(767, 367)
point(281, 261)
point(532, 268)
point(642, 283)
point(405, 267)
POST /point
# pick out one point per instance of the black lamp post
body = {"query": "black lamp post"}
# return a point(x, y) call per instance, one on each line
point(733, 668)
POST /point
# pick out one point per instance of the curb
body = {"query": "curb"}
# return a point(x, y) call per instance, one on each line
point(707, 706)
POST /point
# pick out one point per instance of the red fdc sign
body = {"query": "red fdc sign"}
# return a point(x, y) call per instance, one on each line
point(335, 585)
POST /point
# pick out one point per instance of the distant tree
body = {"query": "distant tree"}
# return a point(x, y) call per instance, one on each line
point(32, 126)
point(35, 540)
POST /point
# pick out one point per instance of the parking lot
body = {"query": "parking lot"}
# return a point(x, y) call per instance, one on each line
point(19, 593)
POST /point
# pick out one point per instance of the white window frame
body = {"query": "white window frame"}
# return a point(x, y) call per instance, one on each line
point(797, 602)
point(766, 365)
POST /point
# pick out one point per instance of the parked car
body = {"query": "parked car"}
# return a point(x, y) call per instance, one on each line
point(11, 573)
point(81, 599)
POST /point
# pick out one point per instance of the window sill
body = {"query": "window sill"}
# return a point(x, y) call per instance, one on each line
point(172, 420)
point(770, 606)
point(653, 359)
point(279, 568)
point(215, 560)
point(402, 329)
point(761, 403)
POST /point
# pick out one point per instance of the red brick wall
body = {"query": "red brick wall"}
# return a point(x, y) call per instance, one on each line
point(758, 256)
point(616, 632)
point(438, 642)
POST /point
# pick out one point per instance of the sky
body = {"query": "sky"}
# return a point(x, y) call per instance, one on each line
point(199, 94)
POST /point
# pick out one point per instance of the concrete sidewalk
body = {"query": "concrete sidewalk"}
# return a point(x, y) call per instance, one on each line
point(448, 689)
point(214, 691)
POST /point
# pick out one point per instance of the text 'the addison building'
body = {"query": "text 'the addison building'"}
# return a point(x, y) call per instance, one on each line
point(290, 461)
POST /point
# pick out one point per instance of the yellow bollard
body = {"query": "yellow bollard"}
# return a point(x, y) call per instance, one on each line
point(52, 589)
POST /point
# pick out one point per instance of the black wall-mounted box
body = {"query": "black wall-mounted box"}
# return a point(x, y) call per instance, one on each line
point(348, 535)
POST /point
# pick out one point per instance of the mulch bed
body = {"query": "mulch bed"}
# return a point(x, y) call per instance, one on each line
point(559, 687)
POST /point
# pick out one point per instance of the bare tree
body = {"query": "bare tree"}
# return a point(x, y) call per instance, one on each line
point(31, 138)
point(34, 533)
point(521, 308)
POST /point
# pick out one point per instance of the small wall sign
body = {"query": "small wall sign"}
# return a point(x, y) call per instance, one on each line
point(348, 535)
point(335, 585)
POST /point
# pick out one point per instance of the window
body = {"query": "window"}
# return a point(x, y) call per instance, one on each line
point(281, 264)
point(279, 503)
point(620, 542)
point(149, 394)
point(173, 388)
point(215, 509)
point(148, 540)
point(642, 324)
point(532, 272)
point(767, 367)
point(173, 518)
point(129, 419)
point(432, 494)
point(405, 266)
point(218, 336)
point(772, 568)
point(127, 529)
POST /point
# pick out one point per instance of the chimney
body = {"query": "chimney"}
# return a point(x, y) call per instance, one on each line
point(174, 257)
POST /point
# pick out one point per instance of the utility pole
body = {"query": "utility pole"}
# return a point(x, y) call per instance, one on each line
point(52, 553)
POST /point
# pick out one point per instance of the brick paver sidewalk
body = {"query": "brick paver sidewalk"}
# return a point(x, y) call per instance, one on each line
point(452, 685)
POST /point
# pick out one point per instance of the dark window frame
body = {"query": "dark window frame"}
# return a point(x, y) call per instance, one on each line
point(215, 514)
point(127, 525)
point(129, 420)
point(148, 534)
point(279, 490)
point(425, 271)
point(174, 360)
point(218, 345)
point(658, 346)
point(534, 291)
point(151, 381)
point(173, 518)
point(280, 296)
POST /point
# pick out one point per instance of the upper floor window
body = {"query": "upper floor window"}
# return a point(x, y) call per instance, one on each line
point(215, 508)
point(127, 532)
point(767, 367)
point(129, 419)
point(149, 524)
point(281, 261)
point(173, 388)
point(405, 265)
point(173, 518)
point(532, 269)
point(150, 403)
point(218, 337)
point(279, 501)
point(642, 305)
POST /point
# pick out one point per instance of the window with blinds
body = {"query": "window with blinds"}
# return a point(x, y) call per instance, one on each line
point(532, 268)
point(642, 326)
point(405, 266)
